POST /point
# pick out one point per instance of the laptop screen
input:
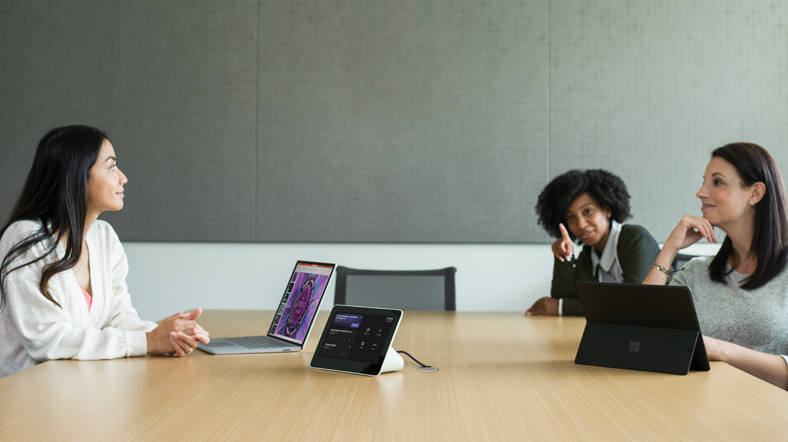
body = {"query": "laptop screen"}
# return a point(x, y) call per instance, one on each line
point(300, 301)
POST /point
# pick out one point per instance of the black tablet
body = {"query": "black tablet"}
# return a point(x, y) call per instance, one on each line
point(356, 339)
point(640, 327)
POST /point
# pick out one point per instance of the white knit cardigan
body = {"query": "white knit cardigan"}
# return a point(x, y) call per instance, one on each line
point(34, 330)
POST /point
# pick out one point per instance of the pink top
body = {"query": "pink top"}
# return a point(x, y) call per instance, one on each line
point(88, 298)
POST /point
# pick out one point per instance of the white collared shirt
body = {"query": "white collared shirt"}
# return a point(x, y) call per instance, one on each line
point(607, 266)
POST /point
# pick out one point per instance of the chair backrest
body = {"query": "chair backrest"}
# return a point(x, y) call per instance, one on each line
point(400, 289)
point(681, 259)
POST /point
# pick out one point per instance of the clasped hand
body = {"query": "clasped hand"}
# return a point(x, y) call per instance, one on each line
point(177, 335)
point(545, 306)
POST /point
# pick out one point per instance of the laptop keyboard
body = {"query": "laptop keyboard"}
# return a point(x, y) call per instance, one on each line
point(257, 342)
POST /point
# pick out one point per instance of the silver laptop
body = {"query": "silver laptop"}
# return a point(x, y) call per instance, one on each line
point(294, 318)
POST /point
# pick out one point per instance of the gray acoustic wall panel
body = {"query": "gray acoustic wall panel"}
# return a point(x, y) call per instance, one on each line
point(390, 121)
point(647, 89)
point(174, 85)
point(401, 121)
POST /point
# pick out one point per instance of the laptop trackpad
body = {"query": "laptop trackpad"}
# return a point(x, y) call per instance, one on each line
point(217, 343)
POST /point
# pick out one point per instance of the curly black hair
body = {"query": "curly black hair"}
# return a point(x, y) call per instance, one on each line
point(608, 189)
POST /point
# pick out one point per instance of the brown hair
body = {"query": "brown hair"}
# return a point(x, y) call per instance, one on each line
point(770, 236)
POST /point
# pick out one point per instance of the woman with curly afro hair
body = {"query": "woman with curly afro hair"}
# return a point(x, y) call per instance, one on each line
point(589, 206)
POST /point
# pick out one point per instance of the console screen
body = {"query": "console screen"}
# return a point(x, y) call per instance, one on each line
point(358, 338)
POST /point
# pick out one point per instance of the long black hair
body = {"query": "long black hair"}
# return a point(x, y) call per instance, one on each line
point(770, 236)
point(55, 194)
point(605, 187)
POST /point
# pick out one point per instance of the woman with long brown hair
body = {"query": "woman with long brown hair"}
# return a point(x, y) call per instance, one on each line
point(63, 292)
point(741, 294)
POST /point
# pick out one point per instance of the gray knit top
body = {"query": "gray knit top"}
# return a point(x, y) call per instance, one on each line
point(756, 319)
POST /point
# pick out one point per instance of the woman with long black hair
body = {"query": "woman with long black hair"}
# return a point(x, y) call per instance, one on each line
point(63, 292)
point(741, 294)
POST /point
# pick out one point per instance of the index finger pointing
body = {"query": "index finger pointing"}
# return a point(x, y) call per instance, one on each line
point(564, 233)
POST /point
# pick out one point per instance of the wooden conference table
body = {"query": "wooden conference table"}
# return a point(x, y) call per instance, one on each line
point(502, 376)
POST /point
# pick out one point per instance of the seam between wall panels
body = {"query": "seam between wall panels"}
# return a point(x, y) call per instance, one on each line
point(256, 125)
point(549, 86)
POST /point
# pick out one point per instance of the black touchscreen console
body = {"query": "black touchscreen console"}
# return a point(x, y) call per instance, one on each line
point(356, 339)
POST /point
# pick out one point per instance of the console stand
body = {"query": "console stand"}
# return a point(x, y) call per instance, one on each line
point(392, 362)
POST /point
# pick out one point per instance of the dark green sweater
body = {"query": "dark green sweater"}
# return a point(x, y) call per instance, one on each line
point(637, 250)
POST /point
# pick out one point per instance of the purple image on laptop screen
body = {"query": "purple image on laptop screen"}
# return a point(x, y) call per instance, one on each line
point(302, 305)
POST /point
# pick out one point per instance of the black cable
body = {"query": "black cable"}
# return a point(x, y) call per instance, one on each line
point(416, 360)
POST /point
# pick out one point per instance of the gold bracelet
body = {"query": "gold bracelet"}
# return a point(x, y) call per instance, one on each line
point(661, 269)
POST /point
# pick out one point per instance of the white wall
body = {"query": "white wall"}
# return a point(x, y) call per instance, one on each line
point(169, 277)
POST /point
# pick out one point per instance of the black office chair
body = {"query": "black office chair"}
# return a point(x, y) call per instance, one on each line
point(400, 289)
point(680, 260)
